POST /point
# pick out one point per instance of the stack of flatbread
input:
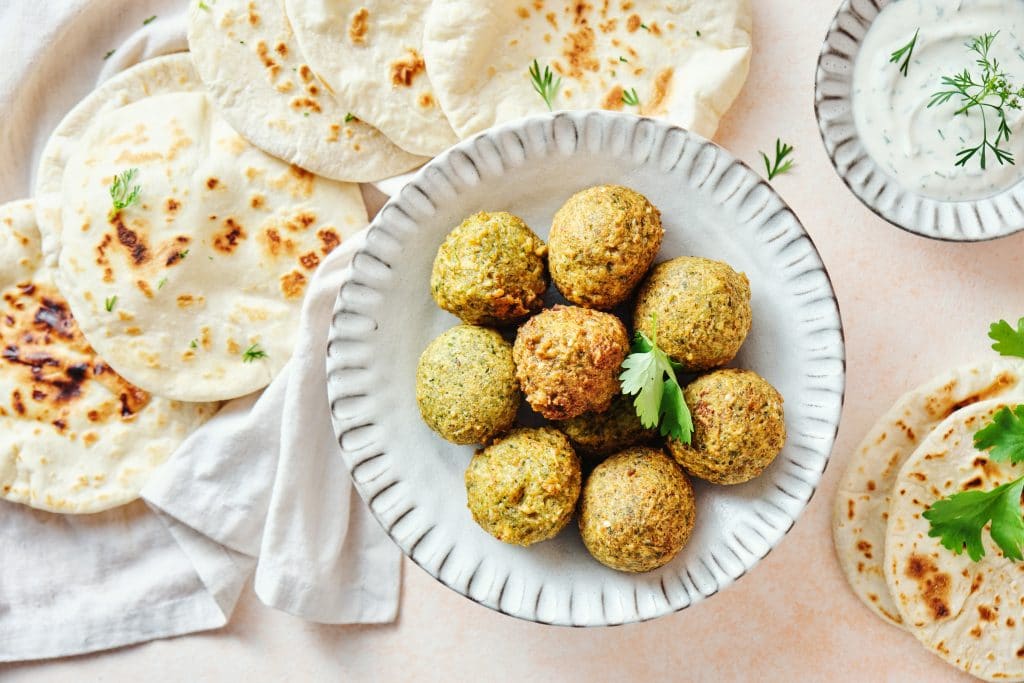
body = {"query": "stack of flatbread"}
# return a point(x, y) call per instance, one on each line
point(922, 450)
point(183, 207)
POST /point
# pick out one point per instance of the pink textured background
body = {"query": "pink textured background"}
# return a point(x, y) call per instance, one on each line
point(911, 308)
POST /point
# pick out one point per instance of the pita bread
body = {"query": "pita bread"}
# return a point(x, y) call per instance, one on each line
point(194, 292)
point(968, 613)
point(687, 60)
point(371, 56)
point(74, 436)
point(172, 73)
point(247, 55)
point(862, 502)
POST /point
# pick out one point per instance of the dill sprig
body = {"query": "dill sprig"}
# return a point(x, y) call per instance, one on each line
point(781, 164)
point(989, 93)
point(545, 83)
point(630, 98)
point(122, 193)
point(252, 353)
point(905, 53)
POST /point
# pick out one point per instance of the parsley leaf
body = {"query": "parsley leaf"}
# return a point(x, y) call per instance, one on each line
point(959, 520)
point(649, 374)
point(1008, 341)
point(1004, 436)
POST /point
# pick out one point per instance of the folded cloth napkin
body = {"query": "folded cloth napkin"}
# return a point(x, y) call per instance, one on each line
point(261, 485)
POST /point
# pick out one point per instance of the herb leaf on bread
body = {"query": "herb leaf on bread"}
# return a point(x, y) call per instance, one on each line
point(959, 520)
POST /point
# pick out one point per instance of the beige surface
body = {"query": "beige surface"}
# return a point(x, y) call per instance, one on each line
point(793, 618)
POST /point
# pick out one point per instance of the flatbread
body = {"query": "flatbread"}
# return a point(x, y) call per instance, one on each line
point(969, 613)
point(247, 55)
point(862, 502)
point(194, 292)
point(687, 60)
point(74, 436)
point(171, 73)
point(371, 56)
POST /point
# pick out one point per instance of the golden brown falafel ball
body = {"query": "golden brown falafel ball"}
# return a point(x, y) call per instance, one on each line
point(490, 270)
point(523, 488)
point(637, 510)
point(466, 386)
point(618, 428)
point(602, 242)
point(739, 427)
point(567, 360)
point(702, 308)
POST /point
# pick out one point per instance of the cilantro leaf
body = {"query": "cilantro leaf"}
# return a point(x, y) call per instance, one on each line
point(959, 520)
point(1008, 341)
point(649, 374)
point(1004, 436)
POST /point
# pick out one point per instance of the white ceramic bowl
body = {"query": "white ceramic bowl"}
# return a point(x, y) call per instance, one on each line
point(712, 205)
point(962, 221)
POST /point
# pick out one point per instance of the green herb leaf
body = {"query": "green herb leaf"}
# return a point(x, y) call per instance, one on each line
point(630, 98)
point(1004, 436)
point(905, 53)
point(1008, 341)
point(781, 164)
point(989, 94)
point(252, 353)
point(959, 520)
point(194, 344)
point(109, 303)
point(149, 21)
point(204, 6)
point(649, 374)
point(122, 193)
point(545, 83)
point(160, 285)
point(110, 53)
point(349, 117)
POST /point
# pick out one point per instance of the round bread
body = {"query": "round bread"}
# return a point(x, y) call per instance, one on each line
point(247, 55)
point(618, 428)
point(371, 56)
point(699, 310)
point(523, 488)
point(193, 292)
point(738, 427)
point(568, 361)
point(158, 76)
point(490, 270)
point(74, 436)
point(602, 242)
point(862, 502)
point(466, 385)
point(684, 61)
point(637, 510)
point(966, 612)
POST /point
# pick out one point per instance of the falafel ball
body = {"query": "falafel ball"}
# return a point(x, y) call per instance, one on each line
point(522, 489)
point(700, 309)
point(602, 242)
point(466, 385)
point(739, 427)
point(490, 270)
point(618, 428)
point(637, 510)
point(567, 360)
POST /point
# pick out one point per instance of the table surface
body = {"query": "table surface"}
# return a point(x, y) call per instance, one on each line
point(793, 618)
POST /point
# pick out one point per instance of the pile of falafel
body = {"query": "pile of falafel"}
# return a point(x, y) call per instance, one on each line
point(637, 508)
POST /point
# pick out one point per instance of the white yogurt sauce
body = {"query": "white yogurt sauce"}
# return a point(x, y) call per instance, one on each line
point(918, 146)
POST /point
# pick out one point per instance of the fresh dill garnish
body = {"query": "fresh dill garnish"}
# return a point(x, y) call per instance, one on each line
point(781, 165)
point(644, 27)
point(203, 6)
point(905, 53)
point(698, 33)
point(545, 83)
point(122, 193)
point(349, 117)
point(252, 353)
point(183, 253)
point(149, 21)
point(110, 302)
point(160, 285)
point(109, 54)
point(194, 344)
point(623, 59)
point(630, 98)
point(991, 91)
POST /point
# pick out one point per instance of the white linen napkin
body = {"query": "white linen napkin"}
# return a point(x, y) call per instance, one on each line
point(263, 479)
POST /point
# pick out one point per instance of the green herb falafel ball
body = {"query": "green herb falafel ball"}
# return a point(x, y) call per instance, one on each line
point(490, 270)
